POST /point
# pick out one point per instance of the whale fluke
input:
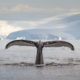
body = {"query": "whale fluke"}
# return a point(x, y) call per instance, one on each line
point(20, 43)
point(58, 44)
point(40, 45)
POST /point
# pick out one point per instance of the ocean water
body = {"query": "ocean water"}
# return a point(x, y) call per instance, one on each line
point(27, 55)
point(40, 73)
point(18, 63)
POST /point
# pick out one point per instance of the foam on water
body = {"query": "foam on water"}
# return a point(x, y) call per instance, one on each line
point(26, 55)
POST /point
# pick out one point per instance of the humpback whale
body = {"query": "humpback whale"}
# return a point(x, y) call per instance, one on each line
point(40, 45)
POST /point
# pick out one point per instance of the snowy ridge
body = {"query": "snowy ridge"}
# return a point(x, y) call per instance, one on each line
point(39, 34)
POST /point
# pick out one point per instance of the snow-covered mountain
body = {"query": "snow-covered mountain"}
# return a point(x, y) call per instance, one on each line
point(33, 34)
point(38, 34)
point(70, 30)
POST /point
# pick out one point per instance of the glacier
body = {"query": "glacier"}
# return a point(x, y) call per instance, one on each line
point(39, 34)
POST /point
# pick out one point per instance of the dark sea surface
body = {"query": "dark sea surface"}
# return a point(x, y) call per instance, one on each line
point(16, 72)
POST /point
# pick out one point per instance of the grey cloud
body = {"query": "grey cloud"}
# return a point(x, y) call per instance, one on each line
point(44, 3)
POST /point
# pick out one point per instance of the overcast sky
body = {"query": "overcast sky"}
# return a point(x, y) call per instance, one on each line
point(26, 14)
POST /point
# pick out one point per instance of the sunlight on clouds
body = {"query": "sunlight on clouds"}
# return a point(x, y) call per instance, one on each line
point(55, 18)
point(20, 8)
point(5, 28)
point(61, 26)
point(23, 7)
point(74, 10)
point(25, 24)
point(35, 24)
point(8, 27)
point(27, 8)
point(44, 21)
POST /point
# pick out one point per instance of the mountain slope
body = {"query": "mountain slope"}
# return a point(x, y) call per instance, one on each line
point(35, 34)
point(39, 34)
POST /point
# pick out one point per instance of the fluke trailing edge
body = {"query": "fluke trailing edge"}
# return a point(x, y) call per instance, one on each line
point(40, 45)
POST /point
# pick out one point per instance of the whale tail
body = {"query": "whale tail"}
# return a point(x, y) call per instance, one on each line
point(36, 44)
point(20, 43)
point(39, 45)
point(58, 44)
